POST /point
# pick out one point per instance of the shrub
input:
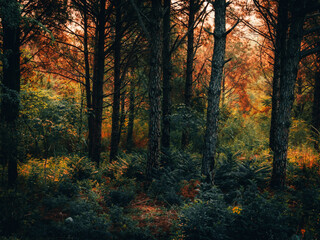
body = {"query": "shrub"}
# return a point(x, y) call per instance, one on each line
point(252, 216)
point(124, 227)
point(169, 181)
point(206, 219)
point(14, 207)
point(231, 174)
point(81, 168)
point(261, 217)
point(120, 197)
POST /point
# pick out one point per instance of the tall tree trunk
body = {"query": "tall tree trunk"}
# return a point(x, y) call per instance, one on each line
point(122, 113)
point(131, 118)
point(316, 106)
point(117, 84)
point(10, 86)
point(300, 104)
point(87, 80)
point(214, 92)
point(289, 68)
point(279, 49)
point(189, 71)
point(154, 89)
point(97, 86)
point(167, 72)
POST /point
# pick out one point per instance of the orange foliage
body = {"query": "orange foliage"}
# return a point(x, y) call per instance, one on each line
point(303, 157)
point(153, 215)
point(190, 189)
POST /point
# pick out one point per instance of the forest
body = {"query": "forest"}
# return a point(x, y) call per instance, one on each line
point(160, 119)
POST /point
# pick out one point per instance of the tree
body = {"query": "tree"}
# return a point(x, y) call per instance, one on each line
point(129, 144)
point(152, 31)
point(316, 104)
point(22, 22)
point(115, 136)
point(11, 18)
point(289, 61)
point(154, 88)
point(166, 72)
point(279, 49)
point(193, 8)
point(214, 92)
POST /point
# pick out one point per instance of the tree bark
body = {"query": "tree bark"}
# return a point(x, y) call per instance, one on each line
point(316, 106)
point(97, 86)
point(189, 71)
point(154, 89)
point(167, 72)
point(211, 134)
point(87, 80)
point(279, 50)
point(289, 69)
point(117, 84)
point(122, 113)
point(298, 112)
point(131, 118)
point(10, 86)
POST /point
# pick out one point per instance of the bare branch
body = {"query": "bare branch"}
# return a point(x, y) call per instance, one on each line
point(142, 23)
point(233, 27)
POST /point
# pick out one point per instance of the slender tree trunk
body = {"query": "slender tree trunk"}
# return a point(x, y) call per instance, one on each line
point(223, 93)
point(131, 118)
point(117, 84)
point(87, 81)
point(316, 106)
point(122, 113)
point(300, 104)
point(97, 87)
point(154, 89)
point(289, 69)
point(190, 57)
point(10, 86)
point(167, 72)
point(279, 50)
point(218, 62)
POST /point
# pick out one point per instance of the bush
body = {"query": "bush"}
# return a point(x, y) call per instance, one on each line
point(169, 180)
point(304, 194)
point(121, 197)
point(123, 227)
point(81, 168)
point(253, 216)
point(14, 207)
point(261, 217)
point(231, 174)
point(206, 219)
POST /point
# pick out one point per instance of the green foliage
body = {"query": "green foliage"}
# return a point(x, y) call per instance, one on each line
point(81, 168)
point(256, 216)
point(14, 207)
point(83, 222)
point(232, 174)
point(123, 227)
point(300, 133)
point(240, 132)
point(206, 219)
point(304, 195)
point(68, 188)
point(135, 164)
point(168, 180)
point(86, 224)
point(50, 124)
point(261, 217)
point(186, 118)
point(120, 197)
